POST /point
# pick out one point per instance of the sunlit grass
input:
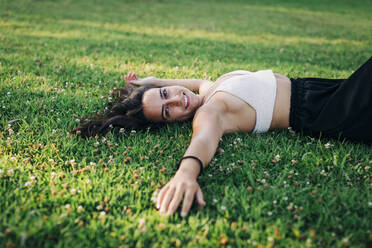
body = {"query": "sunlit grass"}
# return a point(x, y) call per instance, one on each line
point(60, 59)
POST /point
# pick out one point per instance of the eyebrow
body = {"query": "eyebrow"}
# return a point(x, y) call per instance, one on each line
point(162, 106)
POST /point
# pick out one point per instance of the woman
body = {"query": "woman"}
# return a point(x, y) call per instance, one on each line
point(239, 101)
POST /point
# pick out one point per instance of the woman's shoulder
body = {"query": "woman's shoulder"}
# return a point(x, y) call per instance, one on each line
point(232, 74)
point(216, 105)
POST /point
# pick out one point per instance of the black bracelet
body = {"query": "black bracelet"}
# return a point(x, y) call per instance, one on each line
point(196, 158)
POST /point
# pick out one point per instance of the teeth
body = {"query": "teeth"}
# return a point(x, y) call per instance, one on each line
point(185, 101)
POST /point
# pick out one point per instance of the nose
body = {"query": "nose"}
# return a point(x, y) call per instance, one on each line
point(175, 100)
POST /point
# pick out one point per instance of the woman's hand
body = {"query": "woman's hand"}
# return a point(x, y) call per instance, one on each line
point(182, 185)
point(133, 80)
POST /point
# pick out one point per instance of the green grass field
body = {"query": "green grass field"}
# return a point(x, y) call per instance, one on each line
point(60, 59)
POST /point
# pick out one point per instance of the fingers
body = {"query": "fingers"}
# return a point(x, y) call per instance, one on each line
point(200, 197)
point(177, 198)
point(170, 197)
point(187, 201)
point(161, 196)
point(130, 77)
point(167, 198)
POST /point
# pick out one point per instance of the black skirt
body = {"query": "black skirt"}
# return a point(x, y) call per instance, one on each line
point(337, 108)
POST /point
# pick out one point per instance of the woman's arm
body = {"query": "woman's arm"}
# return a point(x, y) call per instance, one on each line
point(192, 84)
point(207, 131)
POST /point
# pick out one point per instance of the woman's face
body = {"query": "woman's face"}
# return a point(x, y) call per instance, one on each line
point(171, 103)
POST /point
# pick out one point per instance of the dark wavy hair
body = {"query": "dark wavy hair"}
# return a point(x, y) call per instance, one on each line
point(125, 111)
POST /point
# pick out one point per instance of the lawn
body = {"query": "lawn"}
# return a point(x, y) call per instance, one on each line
point(60, 59)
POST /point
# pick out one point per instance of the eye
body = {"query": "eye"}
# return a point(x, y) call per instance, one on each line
point(166, 111)
point(165, 93)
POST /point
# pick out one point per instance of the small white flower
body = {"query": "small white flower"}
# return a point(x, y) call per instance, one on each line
point(73, 191)
point(285, 198)
point(270, 239)
point(87, 181)
point(103, 214)
point(53, 174)
point(99, 207)
point(154, 197)
point(68, 206)
point(274, 202)
point(269, 213)
point(345, 241)
point(141, 222)
point(223, 208)
point(121, 130)
point(80, 209)
point(96, 144)
point(32, 178)
point(92, 164)
point(10, 172)
point(277, 157)
point(28, 184)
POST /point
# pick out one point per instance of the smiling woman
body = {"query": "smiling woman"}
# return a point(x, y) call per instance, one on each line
point(239, 101)
point(173, 103)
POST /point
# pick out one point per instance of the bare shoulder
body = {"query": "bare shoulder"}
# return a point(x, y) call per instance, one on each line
point(233, 114)
point(210, 111)
point(205, 86)
point(210, 117)
point(215, 106)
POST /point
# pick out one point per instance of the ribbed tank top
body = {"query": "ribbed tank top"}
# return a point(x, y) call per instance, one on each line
point(258, 89)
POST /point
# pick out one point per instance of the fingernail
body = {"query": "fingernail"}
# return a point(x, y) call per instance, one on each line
point(157, 206)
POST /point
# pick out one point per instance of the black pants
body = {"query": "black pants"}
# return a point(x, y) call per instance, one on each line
point(337, 108)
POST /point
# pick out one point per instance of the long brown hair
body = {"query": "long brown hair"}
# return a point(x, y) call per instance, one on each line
point(125, 111)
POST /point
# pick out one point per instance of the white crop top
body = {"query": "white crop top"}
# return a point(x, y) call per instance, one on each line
point(258, 89)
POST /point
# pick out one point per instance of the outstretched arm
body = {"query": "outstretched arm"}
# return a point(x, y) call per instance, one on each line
point(207, 131)
point(196, 85)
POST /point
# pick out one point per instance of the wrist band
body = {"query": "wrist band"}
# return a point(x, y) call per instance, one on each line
point(196, 158)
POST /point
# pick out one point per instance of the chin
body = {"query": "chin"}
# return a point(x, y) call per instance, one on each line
point(186, 118)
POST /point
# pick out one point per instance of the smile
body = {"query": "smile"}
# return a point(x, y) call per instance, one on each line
point(187, 102)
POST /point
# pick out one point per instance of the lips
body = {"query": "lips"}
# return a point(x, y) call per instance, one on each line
point(187, 100)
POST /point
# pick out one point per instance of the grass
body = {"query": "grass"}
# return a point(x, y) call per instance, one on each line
point(60, 59)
